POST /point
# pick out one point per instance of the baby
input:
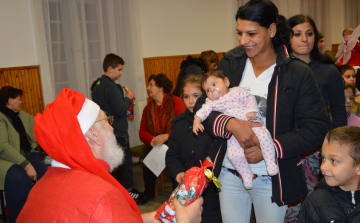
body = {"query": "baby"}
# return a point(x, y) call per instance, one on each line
point(238, 103)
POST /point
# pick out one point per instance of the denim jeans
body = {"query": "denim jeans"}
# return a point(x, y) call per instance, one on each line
point(236, 201)
point(18, 184)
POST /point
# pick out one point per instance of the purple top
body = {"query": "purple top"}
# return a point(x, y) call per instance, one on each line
point(353, 120)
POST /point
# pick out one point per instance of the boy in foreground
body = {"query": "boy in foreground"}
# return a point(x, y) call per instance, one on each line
point(336, 197)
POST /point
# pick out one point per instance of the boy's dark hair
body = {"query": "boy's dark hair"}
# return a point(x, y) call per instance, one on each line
point(347, 136)
point(190, 79)
point(162, 81)
point(8, 92)
point(352, 87)
point(215, 73)
point(112, 60)
point(344, 68)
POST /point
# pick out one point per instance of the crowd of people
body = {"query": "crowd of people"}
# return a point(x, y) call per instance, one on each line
point(278, 118)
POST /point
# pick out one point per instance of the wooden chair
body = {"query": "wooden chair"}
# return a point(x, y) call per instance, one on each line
point(162, 184)
point(135, 152)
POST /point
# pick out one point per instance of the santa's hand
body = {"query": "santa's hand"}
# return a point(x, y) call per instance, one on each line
point(191, 213)
point(149, 217)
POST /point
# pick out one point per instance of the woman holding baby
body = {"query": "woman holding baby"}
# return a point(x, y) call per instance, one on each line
point(290, 106)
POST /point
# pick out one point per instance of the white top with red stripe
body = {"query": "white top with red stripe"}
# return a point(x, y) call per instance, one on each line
point(257, 86)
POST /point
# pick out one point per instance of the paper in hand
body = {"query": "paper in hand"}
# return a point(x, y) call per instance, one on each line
point(155, 160)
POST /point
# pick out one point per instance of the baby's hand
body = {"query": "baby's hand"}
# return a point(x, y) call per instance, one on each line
point(251, 116)
point(197, 126)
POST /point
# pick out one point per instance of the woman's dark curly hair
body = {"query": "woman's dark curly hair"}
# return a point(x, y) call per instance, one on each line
point(8, 92)
point(162, 81)
point(314, 54)
point(264, 12)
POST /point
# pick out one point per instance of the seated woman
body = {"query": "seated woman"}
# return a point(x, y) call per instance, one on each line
point(20, 165)
point(208, 60)
point(155, 126)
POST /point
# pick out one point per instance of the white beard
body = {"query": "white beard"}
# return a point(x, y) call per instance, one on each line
point(113, 154)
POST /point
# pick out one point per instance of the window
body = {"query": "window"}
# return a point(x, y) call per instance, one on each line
point(75, 43)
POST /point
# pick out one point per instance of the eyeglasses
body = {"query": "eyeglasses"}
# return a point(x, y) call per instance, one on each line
point(110, 119)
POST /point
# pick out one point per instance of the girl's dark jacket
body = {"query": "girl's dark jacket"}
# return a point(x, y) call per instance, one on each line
point(185, 151)
point(296, 118)
point(330, 204)
point(185, 148)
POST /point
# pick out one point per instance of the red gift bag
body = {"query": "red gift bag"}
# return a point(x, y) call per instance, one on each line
point(189, 189)
point(130, 111)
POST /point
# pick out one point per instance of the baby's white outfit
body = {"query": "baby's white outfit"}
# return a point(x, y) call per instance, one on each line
point(236, 103)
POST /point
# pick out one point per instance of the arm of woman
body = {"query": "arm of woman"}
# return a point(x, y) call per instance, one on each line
point(173, 161)
point(209, 122)
point(28, 121)
point(222, 126)
point(7, 151)
point(144, 134)
point(311, 116)
point(337, 98)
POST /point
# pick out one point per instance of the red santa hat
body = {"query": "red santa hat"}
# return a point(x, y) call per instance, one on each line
point(60, 132)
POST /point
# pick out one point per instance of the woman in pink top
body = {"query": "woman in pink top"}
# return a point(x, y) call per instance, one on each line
point(349, 91)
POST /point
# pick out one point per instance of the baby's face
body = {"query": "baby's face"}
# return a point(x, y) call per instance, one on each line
point(216, 87)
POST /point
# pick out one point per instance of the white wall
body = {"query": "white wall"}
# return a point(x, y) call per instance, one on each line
point(288, 8)
point(173, 27)
point(17, 39)
point(168, 27)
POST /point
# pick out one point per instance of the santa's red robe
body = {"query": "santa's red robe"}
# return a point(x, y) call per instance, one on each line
point(67, 195)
